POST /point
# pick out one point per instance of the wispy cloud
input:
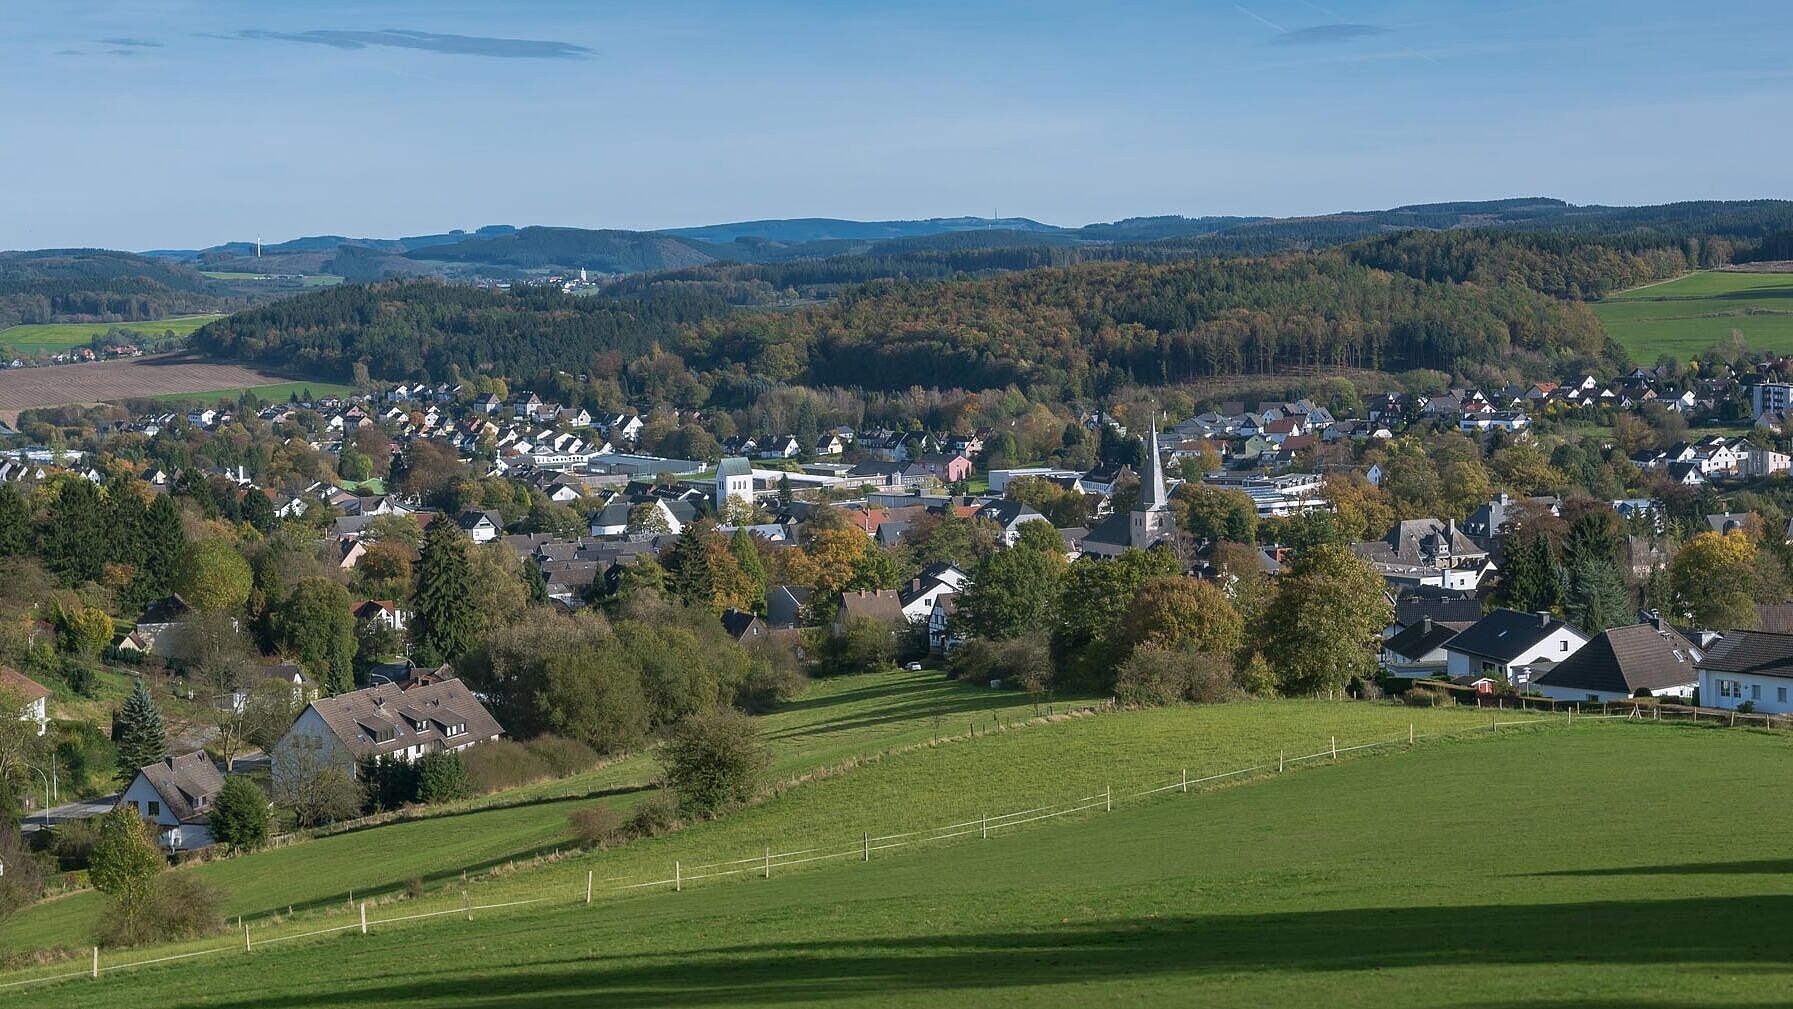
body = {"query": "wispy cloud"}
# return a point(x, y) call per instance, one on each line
point(131, 43)
point(1327, 34)
point(435, 42)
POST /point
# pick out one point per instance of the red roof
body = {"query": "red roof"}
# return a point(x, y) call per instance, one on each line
point(23, 685)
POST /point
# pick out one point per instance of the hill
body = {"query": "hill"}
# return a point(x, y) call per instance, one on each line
point(1376, 882)
point(1692, 314)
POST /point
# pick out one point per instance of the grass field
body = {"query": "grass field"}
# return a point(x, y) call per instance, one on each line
point(277, 392)
point(110, 381)
point(1605, 865)
point(1686, 316)
point(309, 280)
point(52, 337)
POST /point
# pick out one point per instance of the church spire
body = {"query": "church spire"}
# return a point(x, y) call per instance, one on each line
point(1151, 486)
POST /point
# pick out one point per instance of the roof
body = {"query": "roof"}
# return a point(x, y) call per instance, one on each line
point(739, 623)
point(1424, 637)
point(879, 604)
point(186, 783)
point(1759, 653)
point(1624, 660)
point(26, 687)
point(381, 719)
point(734, 466)
point(1008, 512)
point(1411, 611)
point(1504, 635)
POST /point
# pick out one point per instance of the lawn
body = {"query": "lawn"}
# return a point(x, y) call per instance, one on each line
point(1686, 316)
point(1604, 865)
point(48, 338)
point(278, 392)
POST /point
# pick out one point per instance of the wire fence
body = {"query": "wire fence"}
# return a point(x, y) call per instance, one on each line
point(984, 827)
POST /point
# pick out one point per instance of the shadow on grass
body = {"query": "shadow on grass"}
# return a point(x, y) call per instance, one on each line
point(1740, 933)
point(1753, 867)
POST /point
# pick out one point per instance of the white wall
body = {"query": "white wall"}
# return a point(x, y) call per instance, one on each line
point(1765, 691)
point(1557, 646)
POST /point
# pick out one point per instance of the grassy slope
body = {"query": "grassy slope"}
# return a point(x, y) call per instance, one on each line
point(278, 392)
point(1608, 865)
point(51, 337)
point(836, 720)
point(1689, 315)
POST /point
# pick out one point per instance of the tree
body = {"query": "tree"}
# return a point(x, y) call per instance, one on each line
point(1183, 613)
point(214, 577)
point(258, 511)
point(125, 863)
point(316, 790)
point(1710, 579)
point(82, 630)
point(1323, 626)
point(138, 733)
point(1096, 596)
point(15, 522)
point(217, 658)
point(1215, 513)
point(713, 759)
point(1013, 592)
point(1038, 534)
point(23, 881)
point(162, 543)
point(316, 626)
point(19, 746)
point(445, 622)
point(239, 817)
point(73, 539)
point(592, 694)
point(687, 563)
point(647, 519)
point(1533, 580)
point(1597, 598)
point(441, 777)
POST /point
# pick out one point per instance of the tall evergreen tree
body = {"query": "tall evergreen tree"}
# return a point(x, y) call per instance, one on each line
point(162, 544)
point(1597, 598)
point(688, 569)
point(15, 522)
point(74, 542)
point(258, 511)
point(138, 733)
point(446, 622)
point(1532, 580)
point(740, 543)
point(535, 582)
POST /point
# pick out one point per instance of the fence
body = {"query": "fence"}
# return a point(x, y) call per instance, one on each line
point(984, 827)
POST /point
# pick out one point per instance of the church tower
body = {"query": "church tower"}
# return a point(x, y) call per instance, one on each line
point(1152, 519)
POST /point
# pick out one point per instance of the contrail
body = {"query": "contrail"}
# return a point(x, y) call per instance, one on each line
point(1261, 20)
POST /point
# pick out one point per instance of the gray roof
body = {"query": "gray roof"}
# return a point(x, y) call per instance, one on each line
point(734, 466)
point(1423, 637)
point(1625, 660)
point(187, 784)
point(1504, 634)
point(1758, 653)
point(382, 719)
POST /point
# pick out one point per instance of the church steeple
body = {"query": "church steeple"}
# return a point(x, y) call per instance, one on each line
point(1151, 489)
point(1152, 519)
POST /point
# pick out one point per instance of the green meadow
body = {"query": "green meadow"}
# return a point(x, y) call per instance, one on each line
point(278, 392)
point(50, 338)
point(1602, 865)
point(1694, 313)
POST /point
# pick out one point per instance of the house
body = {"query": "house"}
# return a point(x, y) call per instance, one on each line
point(34, 697)
point(941, 636)
point(481, 526)
point(382, 721)
point(1748, 667)
point(1507, 643)
point(175, 795)
point(1009, 514)
point(1418, 651)
point(786, 604)
point(743, 626)
point(383, 610)
point(1648, 659)
point(945, 467)
point(882, 605)
point(1427, 552)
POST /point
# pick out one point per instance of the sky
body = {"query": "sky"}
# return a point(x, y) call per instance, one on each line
point(141, 124)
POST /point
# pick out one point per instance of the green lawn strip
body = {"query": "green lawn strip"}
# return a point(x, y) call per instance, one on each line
point(57, 336)
point(276, 392)
point(1606, 865)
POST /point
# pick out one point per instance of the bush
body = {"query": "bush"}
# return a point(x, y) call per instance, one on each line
point(23, 881)
point(654, 815)
point(501, 764)
point(440, 777)
point(180, 907)
point(414, 886)
point(72, 843)
point(776, 675)
point(240, 814)
point(1154, 675)
point(595, 826)
point(1422, 696)
point(712, 760)
point(562, 756)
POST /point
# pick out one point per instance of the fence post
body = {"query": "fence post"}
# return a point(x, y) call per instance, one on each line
point(1279, 754)
point(467, 904)
point(1335, 748)
point(986, 826)
point(588, 886)
point(768, 861)
point(246, 939)
point(1185, 781)
point(364, 917)
point(1409, 733)
point(1494, 723)
point(678, 877)
point(866, 837)
point(1107, 798)
point(96, 961)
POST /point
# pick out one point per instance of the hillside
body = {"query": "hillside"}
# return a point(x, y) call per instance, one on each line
point(95, 285)
point(1379, 882)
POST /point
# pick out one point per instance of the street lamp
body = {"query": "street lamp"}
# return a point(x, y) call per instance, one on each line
point(46, 781)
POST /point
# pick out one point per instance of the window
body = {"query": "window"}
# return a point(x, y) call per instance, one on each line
point(1780, 694)
point(1564, 645)
point(1755, 691)
point(153, 808)
point(1730, 688)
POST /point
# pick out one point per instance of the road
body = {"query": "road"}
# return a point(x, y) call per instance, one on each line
point(70, 811)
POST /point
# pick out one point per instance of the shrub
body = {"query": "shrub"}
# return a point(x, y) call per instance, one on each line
point(1155, 675)
point(180, 906)
point(23, 881)
point(1422, 696)
point(561, 756)
point(595, 826)
point(503, 763)
point(72, 843)
point(776, 675)
point(414, 886)
point(240, 814)
point(654, 815)
point(713, 759)
point(440, 777)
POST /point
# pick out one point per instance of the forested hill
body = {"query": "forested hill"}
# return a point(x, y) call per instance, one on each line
point(94, 285)
point(1085, 328)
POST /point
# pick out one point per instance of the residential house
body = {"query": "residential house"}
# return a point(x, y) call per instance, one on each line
point(175, 795)
point(743, 626)
point(882, 605)
point(482, 526)
point(382, 721)
point(33, 697)
point(385, 611)
point(1748, 667)
point(1418, 651)
point(945, 467)
point(1008, 515)
point(787, 605)
point(1427, 552)
point(1648, 659)
point(1511, 645)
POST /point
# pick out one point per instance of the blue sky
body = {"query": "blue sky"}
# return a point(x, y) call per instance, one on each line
point(165, 123)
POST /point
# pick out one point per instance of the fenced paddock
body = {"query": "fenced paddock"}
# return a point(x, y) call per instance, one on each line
point(773, 861)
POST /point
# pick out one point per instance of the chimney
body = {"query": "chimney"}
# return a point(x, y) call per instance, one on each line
point(1425, 625)
point(1543, 618)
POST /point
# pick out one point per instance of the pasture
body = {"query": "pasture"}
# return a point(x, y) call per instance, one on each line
point(49, 338)
point(1602, 865)
point(1691, 314)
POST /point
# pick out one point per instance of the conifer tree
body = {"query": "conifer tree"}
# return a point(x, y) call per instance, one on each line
point(446, 624)
point(138, 733)
point(740, 543)
point(688, 569)
point(1597, 597)
point(73, 543)
point(15, 522)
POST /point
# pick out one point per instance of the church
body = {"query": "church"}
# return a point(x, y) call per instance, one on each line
point(1150, 522)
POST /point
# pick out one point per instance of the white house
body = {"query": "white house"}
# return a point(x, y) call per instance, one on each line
point(175, 794)
point(1507, 643)
point(1418, 651)
point(734, 481)
point(383, 721)
point(35, 697)
point(1648, 658)
point(481, 526)
point(1749, 667)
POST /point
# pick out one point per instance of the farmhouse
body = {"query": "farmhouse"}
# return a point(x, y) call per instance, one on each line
point(1748, 667)
point(1507, 643)
point(1644, 659)
point(383, 721)
point(175, 794)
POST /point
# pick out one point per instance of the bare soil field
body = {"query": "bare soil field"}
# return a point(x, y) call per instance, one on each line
point(103, 381)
